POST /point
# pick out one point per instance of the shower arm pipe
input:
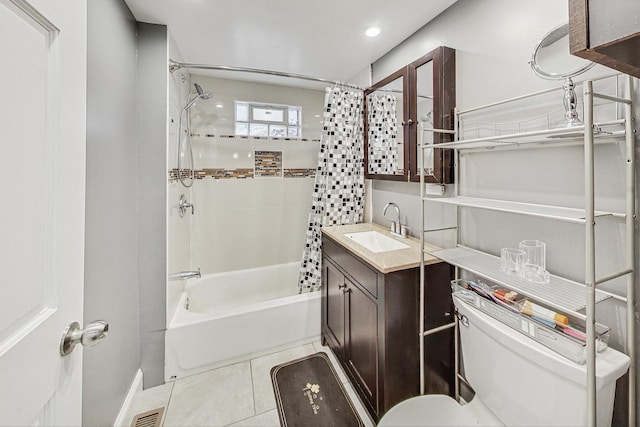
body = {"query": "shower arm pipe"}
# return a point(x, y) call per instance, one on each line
point(173, 66)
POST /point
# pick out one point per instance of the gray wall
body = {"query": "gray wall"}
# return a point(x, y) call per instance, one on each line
point(125, 249)
point(111, 248)
point(152, 95)
point(493, 41)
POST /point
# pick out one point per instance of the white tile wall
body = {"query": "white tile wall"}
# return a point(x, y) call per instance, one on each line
point(177, 228)
point(208, 118)
point(246, 223)
point(223, 153)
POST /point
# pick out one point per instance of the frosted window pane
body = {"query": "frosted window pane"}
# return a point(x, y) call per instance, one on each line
point(258, 129)
point(242, 112)
point(277, 131)
point(267, 120)
point(294, 116)
point(242, 128)
point(266, 114)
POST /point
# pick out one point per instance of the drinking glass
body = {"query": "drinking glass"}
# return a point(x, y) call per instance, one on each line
point(512, 260)
point(534, 268)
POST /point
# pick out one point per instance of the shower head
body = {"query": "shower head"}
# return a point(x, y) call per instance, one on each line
point(201, 93)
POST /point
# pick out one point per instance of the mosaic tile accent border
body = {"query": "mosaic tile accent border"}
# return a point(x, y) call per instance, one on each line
point(299, 173)
point(268, 163)
point(263, 138)
point(220, 173)
point(173, 174)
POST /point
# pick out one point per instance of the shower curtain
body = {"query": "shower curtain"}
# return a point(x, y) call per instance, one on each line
point(338, 195)
point(383, 134)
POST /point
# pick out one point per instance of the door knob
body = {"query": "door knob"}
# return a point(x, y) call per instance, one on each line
point(93, 334)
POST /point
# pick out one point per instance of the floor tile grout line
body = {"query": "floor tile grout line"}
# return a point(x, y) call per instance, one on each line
point(166, 411)
point(248, 418)
point(253, 388)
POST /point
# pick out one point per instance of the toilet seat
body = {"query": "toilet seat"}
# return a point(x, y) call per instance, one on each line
point(438, 410)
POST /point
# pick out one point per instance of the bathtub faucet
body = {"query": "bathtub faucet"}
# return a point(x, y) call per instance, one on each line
point(181, 275)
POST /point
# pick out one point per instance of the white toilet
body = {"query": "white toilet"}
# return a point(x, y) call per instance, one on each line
point(517, 382)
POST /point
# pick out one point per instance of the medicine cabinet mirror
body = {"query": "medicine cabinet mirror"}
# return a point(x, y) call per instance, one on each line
point(386, 105)
point(422, 91)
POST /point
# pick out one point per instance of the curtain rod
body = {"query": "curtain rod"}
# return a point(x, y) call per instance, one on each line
point(173, 66)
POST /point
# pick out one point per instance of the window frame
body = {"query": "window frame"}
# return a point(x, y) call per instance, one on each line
point(278, 124)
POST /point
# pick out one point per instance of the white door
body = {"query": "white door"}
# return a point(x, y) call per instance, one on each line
point(42, 171)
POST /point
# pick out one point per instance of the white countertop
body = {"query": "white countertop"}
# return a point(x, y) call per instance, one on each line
point(385, 262)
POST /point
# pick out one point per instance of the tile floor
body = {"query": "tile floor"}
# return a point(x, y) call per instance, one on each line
point(236, 395)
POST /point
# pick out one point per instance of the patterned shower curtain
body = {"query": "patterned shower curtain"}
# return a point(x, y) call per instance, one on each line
point(338, 195)
point(383, 134)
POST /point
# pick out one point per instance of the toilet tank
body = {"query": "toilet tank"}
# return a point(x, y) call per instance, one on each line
point(524, 383)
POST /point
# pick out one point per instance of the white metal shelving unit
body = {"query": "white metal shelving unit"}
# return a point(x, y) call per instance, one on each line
point(560, 294)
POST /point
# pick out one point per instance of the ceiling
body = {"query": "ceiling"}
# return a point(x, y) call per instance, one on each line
point(311, 37)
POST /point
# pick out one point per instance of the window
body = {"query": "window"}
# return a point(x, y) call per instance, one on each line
point(277, 121)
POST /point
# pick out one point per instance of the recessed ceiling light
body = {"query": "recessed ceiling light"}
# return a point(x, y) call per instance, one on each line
point(219, 105)
point(372, 31)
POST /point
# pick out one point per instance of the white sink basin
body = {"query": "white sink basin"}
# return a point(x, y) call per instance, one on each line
point(376, 242)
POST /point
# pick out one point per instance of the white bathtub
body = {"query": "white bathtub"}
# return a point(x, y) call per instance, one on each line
point(239, 315)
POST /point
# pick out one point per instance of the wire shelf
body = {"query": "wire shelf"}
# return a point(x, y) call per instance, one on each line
point(572, 215)
point(560, 294)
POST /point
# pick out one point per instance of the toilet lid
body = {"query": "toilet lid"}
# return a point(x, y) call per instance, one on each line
point(438, 410)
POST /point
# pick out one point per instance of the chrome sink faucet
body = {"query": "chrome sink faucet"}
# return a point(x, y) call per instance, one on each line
point(396, 228)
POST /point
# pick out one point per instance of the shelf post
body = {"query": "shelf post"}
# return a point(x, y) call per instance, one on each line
point(630, 248)
point(590, 268)
point(422, 272)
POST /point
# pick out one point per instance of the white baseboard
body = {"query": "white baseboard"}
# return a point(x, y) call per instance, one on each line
point(134, 389)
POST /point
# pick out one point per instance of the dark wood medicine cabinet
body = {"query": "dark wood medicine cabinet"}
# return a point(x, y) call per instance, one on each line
point(424, 90)
point(606, 32)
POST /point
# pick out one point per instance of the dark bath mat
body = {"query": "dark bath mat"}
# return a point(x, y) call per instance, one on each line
point(309, 393)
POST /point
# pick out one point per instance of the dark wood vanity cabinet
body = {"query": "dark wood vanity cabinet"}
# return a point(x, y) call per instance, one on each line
point(370, 321)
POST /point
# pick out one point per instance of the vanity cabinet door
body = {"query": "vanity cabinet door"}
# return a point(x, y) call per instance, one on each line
point(333, 312)
point(370, 322)
point(362, 342)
